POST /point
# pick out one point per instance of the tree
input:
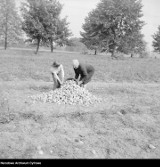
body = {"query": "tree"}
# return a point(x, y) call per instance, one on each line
point(113, 22)
point(156, 41)
point(33, 12)
point(56, 29)
point(60, 34)
point(133, 44)
point(42, 22)
point(10, 23)
point(91, 41)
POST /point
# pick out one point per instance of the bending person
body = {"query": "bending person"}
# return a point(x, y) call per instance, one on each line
point(83, 72)
point(57, 72)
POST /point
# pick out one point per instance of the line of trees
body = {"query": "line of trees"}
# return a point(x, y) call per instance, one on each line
point(40, 20)
point(113, 26)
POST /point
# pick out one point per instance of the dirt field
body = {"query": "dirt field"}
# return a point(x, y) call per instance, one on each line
point(125, 125)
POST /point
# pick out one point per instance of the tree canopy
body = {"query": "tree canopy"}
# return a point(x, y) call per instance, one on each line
point(156, 41)
point(42, 22)
point(112, 23)
point(10, 23)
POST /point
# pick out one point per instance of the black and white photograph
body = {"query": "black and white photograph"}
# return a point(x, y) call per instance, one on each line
point(79, 79)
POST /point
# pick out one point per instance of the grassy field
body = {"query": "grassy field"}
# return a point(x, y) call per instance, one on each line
point(125, 125)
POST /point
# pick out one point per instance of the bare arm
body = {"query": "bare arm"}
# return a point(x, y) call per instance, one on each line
point(54, 74)
point(62, 74)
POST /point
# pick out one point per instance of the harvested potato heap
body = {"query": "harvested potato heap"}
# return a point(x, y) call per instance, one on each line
point(69, 93)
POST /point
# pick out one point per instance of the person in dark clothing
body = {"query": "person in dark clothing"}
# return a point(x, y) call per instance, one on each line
point(83, 72)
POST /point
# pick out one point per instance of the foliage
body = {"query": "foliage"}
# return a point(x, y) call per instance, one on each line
point(63, 32)
point(156, 42)
point(42, 22)
point(10, 23)
point(133, 44)
point(112, 23)
point(91, 41)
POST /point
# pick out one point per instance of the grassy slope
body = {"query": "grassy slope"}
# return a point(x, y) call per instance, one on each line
point(24, 65)
point(126, 125)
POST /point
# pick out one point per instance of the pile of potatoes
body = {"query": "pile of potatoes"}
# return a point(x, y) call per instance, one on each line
point(69, 93)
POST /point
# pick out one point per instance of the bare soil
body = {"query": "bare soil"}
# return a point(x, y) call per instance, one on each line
point(125, 125)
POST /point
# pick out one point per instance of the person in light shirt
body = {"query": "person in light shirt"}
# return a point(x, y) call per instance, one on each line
point(57, 72)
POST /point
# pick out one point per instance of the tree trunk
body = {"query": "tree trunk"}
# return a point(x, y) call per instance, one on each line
point(132, 54)
point(38, 43)
point(5, 42)
point(51, 42)
point(113, 53)
point(95, 52)
point(6, 31)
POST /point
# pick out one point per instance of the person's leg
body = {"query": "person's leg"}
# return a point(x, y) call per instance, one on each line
point(55, 82)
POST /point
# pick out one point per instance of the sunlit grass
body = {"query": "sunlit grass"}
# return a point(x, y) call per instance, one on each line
point(26, 65)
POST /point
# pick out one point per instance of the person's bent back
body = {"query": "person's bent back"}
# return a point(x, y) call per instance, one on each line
point(83, 72)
